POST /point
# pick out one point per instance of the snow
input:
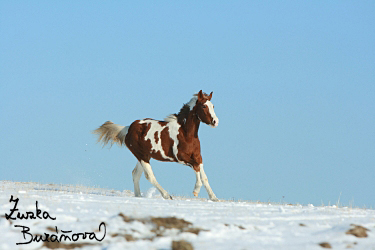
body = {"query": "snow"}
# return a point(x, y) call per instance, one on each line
point(131, 223)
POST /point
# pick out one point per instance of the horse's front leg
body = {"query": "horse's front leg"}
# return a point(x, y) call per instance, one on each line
point(203, 178)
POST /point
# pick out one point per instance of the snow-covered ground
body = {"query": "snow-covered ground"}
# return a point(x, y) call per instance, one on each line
point(122, 221)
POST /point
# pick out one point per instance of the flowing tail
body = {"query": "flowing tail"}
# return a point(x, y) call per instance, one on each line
point(110, 132)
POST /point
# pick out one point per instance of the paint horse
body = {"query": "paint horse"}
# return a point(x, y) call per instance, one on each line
point(173, 140)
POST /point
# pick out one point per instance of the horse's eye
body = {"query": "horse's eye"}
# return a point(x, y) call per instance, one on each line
point(204, 106)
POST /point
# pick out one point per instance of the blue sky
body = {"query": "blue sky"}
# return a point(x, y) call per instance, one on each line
point(293, 83)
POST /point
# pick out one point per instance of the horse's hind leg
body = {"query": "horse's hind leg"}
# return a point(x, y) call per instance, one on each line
point(198, 184)
point(151, 177)
point(137, 173)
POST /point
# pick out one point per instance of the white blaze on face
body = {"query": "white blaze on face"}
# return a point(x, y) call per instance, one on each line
point(212, 113)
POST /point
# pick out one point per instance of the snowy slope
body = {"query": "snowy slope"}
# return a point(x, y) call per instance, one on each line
point(154, 223)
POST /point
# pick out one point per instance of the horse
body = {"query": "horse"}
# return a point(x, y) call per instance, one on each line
point(173, 140)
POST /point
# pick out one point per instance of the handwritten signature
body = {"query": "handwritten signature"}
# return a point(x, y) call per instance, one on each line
point(66, 235)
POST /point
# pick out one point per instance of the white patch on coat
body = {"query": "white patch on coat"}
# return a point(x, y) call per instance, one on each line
point(173, 129)
point(155, 146)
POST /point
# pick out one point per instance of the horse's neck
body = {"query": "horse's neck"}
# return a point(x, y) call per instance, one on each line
point(191, 125)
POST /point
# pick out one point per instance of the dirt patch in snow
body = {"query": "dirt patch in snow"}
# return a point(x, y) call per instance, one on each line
point(160, 227)
point(54, 245)
point(358, 231)
point(181, 245)
point(325, 245)
point(170, 222)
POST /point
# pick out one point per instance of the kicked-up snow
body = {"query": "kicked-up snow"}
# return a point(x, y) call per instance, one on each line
point(63, 216)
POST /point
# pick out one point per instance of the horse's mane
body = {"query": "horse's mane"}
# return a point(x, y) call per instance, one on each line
point(184, 111)
point(183, 114)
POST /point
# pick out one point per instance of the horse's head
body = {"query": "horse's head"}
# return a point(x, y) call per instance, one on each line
point(205, 109)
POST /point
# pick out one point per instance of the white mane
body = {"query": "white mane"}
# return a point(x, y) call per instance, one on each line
point(170, 118)
point(192, 102)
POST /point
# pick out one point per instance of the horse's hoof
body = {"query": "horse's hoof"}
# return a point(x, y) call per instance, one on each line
point(214, 199)
point(167, 197)
point(195, 194)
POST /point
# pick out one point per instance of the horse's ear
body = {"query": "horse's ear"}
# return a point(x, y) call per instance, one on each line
point(210, 96)
point(200, 95)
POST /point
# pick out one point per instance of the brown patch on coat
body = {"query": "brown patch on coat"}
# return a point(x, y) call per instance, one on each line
point(358, 231)
point(189, 149)
point(158, 156)
point(167, 143)
point(136, 143)
point(156, 136)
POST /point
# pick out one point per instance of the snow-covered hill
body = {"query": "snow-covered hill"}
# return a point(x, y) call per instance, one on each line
point(112, 219)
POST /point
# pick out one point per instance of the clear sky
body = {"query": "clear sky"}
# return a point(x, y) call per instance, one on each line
point(293, 83)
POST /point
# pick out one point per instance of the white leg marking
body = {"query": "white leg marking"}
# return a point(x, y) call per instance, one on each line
point(137, 173)
point(198, 184)
point(151, 177)
point(207, 185)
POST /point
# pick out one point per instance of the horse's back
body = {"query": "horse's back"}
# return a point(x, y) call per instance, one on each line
point(150, 138)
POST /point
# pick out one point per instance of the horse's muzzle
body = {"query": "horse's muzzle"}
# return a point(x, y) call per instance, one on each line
point(215, 123)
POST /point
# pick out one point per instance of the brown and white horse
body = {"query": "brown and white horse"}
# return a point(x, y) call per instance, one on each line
point(173, 140)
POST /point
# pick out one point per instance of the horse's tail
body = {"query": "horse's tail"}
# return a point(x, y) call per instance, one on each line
point(110, 132)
